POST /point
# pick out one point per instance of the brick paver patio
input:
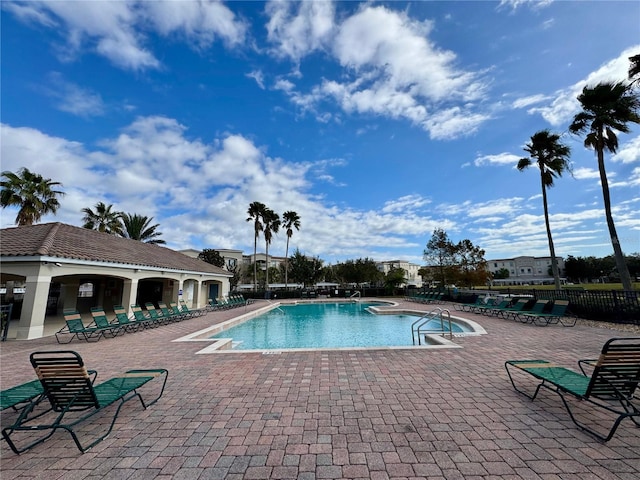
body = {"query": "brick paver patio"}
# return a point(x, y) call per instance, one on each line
point(370, 414)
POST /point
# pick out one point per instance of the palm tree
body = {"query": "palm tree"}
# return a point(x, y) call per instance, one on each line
point(103, 219)
point(634, 68)
point(138, 227)
point(271, 225)
point(607, 108)
point(256, 212)
point(30, 191)
point(291, 221)
point(551, 155)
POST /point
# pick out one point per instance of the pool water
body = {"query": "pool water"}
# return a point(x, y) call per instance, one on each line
point(325, 325)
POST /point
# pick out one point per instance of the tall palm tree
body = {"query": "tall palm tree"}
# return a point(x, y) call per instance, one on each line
point(634, 68)
point(103, 219)
point(138, 227)
point(291, 220)
point(607, 108)
point(551, 156)
point(256, 212)
point(34, 194)
point(271, 225)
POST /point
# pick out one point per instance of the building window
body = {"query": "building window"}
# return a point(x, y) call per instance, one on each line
point(86, 290)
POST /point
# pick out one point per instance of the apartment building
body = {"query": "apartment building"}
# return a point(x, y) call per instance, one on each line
point(525, 270)
point(411, 271)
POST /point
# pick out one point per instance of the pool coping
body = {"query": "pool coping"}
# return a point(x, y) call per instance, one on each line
point(225, 345)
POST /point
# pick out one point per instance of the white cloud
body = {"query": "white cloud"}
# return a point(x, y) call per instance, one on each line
point(258, 76)
point(629, 153)
point(114, 29)
point(530, 100)
point(499, 159)
point(199, 192)
point(533, 4)
point(295, 35)
point(565, 105)
point(585, 173)
point(391, 69)
point(72, 98)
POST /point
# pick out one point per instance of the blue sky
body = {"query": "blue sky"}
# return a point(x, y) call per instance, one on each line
point(376, 122)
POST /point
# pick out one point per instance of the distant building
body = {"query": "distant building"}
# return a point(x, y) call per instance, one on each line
point(232, 258)
point(526, 270)
point(411, 271)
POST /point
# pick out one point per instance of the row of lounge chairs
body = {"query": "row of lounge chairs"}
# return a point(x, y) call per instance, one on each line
point(433, 296)
point(103, 327)
point(542, 312)
point(65, 395)
point(225, 303)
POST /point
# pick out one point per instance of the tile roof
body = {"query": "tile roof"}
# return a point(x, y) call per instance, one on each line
point(66, 241)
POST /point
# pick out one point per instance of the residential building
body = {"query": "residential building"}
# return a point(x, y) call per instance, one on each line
point(411, 271)
point(525, 270)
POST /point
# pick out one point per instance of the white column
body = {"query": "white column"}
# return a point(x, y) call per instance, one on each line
point(34, 307)
point(129, 293)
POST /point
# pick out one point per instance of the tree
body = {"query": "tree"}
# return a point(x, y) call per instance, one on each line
point(501, 274)
point(472, 267)
point(291, 220)
point(362, 270)
point(34, 194)
point(634, 69)
point(551, 156)
point(607, 108)
point(271, 225)
point(395, 277)
point(305, 270)
point(138, 227)
point(103, 219)
point(212, 256)
point(440, 254)
point(256, 211)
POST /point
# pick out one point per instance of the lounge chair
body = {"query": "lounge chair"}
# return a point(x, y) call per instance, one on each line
point(558, 314)
point(512, 311)
point(140, 317)
point(128, 324)
point(20, 394)
point(170, 313)
point(469, 307)
point(75, 328)
point(156, 315)
point(68, 388)
point(536, 309)
point(611, 386)
point(100, 320)
point(193, 313)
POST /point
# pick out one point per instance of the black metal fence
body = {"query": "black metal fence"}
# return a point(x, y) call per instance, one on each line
point(614, 306)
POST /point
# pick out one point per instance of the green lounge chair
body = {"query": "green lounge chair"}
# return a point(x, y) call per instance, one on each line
point(124, 321)
point(558, 314)
point(75, 328)
point(156, 314)
point(611, 386)
point(140, 317)
point(100, 320)
point(512, 311)
point(170, 312)
point(493, 309)
point(537, 308)
point(68, 388)
point(187, 310)
point(469, 307)
point(25, 393)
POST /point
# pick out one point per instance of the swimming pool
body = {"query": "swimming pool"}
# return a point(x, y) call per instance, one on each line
point(329, 325)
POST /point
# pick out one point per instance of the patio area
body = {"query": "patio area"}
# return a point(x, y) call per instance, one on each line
point(370, 414)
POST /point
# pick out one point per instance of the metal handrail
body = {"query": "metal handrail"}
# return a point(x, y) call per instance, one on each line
point(426, 318)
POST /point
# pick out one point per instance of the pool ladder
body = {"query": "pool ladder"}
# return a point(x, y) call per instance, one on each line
point(435, 314)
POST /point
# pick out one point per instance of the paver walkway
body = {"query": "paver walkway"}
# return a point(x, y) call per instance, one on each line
point(370, 414)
